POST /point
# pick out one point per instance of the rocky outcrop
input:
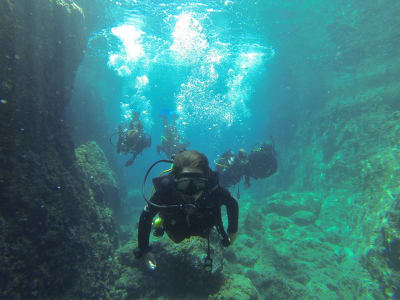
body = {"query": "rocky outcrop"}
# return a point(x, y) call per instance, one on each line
point(102, 179)
point(290, 251)
point(180, 270)
point(236, 287)
point(378, 260)
point(342, 142)
point(56, 240)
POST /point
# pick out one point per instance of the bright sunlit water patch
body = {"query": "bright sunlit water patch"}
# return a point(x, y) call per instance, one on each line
point(210, 76)
point(142, 82)
point(130, 52)
point(189, 40)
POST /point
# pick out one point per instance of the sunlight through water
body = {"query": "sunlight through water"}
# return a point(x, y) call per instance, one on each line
point(214, 73)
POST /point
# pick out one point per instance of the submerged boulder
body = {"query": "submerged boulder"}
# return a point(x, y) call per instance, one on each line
point(303, 218)
point(102, 180)
point(180, 270)
point(382, 259)
point(236, 287)
point(286, 204)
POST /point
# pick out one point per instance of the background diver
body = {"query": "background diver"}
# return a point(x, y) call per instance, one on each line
point(188, 201)
point(260, 163)
point(132, 139)
point(231, 168)
point(171, 141)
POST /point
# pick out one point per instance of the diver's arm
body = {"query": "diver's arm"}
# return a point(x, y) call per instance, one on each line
point(232, 209)
point(145, 221)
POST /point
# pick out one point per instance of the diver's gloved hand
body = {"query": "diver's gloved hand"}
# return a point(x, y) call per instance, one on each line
point(138, 252)
point(229, 240)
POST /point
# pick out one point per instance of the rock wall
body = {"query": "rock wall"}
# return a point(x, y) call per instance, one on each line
point(96, 169)
point(52, 226)
point(344, 146)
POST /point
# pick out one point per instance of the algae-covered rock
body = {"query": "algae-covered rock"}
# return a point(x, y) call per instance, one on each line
point(277, 222)
point(286, 204)
point(253, 217)
point(385, 255)
point(303, 218)
point(56, 240)
point(245, 252)
point(236, 287)
point(278, 287)
point(94, 165)
point(180, 269)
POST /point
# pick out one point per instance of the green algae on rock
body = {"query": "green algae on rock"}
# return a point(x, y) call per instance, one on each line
point(55, 241)
point(102, 180)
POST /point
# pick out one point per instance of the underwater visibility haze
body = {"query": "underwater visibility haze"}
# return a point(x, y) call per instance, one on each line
point(296, 105)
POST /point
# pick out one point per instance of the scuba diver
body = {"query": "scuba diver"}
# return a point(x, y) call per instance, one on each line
point(232, 168)
point(132, 139)
point(171, 142)
point(260, 163)
point(188, 201)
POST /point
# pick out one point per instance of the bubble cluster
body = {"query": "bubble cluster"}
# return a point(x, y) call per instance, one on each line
point(216, 68)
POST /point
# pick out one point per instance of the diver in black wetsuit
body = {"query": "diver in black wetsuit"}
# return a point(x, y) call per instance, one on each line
point(171, 142)
point(188, 201)
point(132, 139)
point(231, 168)
point(260, 163)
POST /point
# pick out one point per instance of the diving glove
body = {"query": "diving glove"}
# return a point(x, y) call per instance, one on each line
point(229, 240)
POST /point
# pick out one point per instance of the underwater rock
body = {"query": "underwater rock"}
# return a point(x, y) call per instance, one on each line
point(56, 241)
point(253, 219)
point(258, 278)
point(278, 287)
point(102, 180)
point(180, 269)
point(385, 255)
point(277, 222)
point(244, 252)
point(303, 218)
point(286, 204)
point(236, 287)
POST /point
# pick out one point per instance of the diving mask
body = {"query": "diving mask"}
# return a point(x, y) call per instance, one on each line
point(190, 183)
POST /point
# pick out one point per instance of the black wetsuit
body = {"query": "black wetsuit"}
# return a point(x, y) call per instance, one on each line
point(180, 224)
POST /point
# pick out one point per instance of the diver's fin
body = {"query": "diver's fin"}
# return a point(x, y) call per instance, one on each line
point(130, 161)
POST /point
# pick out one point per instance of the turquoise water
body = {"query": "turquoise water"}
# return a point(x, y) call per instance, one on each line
point(318, 78)
point(312, 76)
point(204, 61)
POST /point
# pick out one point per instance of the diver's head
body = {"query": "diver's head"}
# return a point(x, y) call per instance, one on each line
point(136, 115)
point(191, 172)
point(192, 159)
point(242, 154)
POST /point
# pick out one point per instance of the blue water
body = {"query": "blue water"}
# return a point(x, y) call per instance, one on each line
point(205, 61)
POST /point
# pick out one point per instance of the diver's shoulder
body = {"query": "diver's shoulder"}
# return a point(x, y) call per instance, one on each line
point(223, 192)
